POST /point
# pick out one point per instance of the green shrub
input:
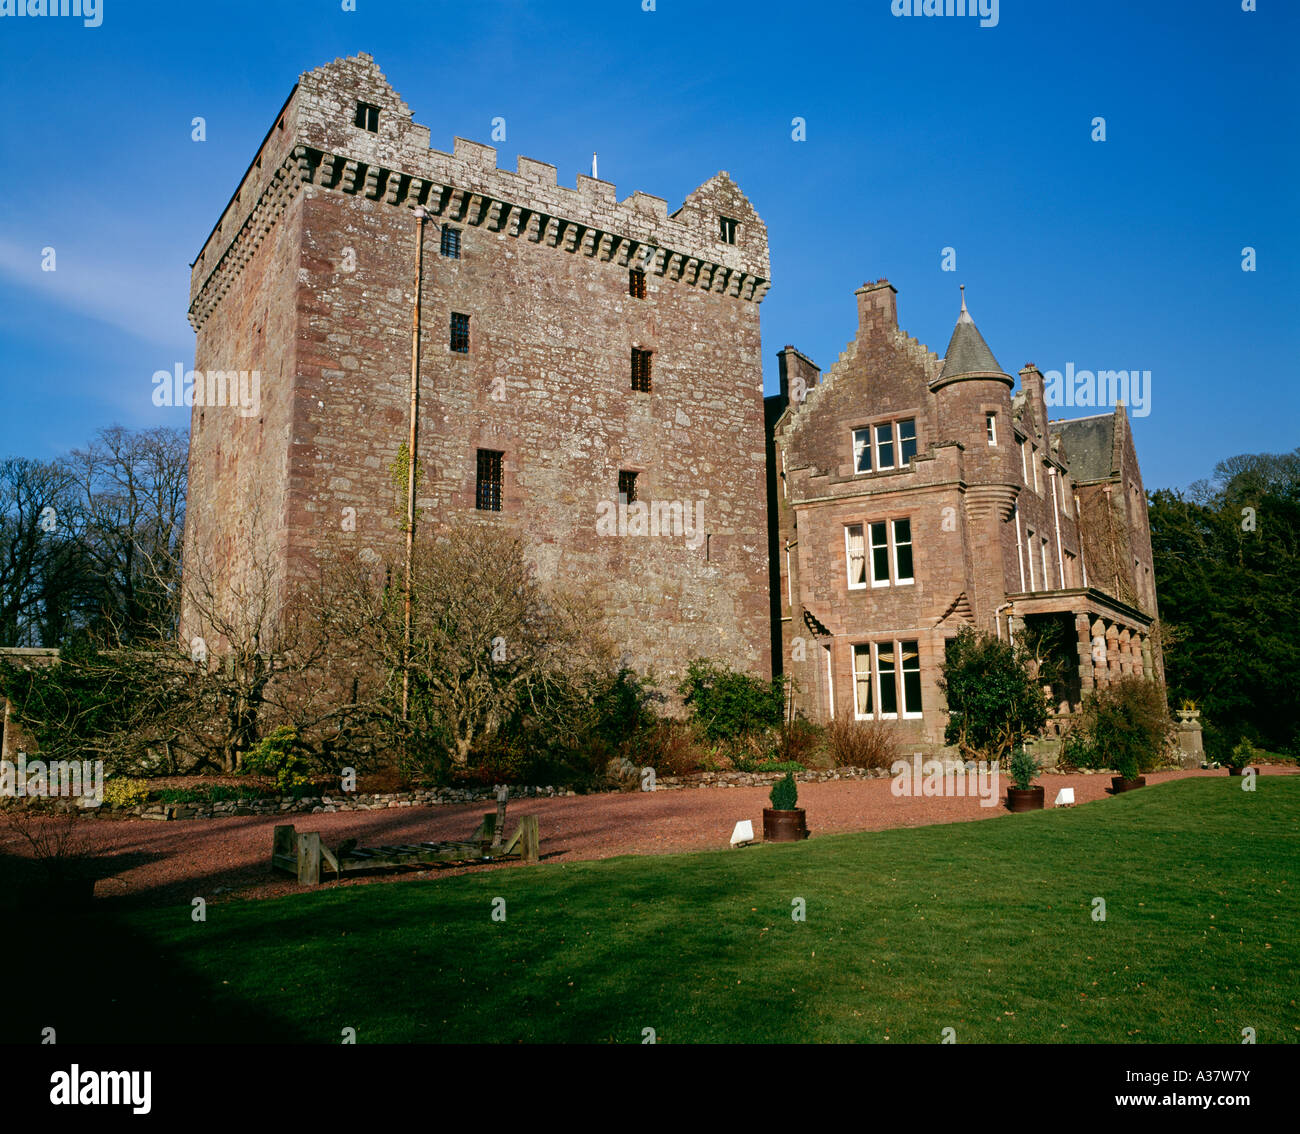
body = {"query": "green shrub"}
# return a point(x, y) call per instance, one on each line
point(785, 793)
point(1024, 767)
point(125, 791)
point(274, 756)
point(727, 705)
point(1125, 725)
point(993, 702)
point(1243, 755)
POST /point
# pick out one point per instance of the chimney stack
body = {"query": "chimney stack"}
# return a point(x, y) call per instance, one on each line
point(877, 308)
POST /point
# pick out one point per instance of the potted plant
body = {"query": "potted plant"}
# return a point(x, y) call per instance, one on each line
point(1240, 757)
point(784, 822)
point(1126, 764)
point(1025, 795)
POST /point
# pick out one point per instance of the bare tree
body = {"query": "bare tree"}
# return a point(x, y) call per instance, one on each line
point(488, 642)
point(130, 488)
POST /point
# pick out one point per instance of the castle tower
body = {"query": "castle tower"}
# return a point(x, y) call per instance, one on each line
point(576, 351)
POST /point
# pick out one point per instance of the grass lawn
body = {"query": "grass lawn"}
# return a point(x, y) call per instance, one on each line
point(986, 928)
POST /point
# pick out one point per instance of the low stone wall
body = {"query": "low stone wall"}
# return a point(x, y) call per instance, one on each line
point(435, 797)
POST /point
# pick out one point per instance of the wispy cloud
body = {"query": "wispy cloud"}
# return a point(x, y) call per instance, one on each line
point(145, 300)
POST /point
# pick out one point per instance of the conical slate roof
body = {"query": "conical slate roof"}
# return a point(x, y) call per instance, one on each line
point(968, 353)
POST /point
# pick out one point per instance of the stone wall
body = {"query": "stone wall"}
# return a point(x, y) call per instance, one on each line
point(322, 300)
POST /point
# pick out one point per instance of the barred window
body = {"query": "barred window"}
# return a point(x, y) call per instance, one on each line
point(487, 496)
point(641, 370)
point(626, 487)
point(636, 283)
point(459, 333)
point(451, 242)
point(367, 117)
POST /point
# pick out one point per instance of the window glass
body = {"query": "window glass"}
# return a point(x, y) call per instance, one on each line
point(906, 441)
point(885, 666)
point(857, 556)
point(902, 551)
point(879, 555)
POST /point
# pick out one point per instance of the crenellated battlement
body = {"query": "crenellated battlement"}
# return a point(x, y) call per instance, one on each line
point(316, 142)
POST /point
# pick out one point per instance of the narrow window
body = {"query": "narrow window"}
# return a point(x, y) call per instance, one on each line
point(451, 242)
point(885, 446)
point(879, 555)
point(459, 333)
point(367, 117)
point(991, 427)
point(855, 552)
point(862, 681)
point(626, 487)
point(789, 580)
point(1047, 582)
point(636, 283)
point(1033, 457)
point(1029, 549)
point(861, 450)
point(906, 441)
point(641, 370)
point(830, 684)
point(911, 661)
point(1069, 570)
point(728, 230)
point(1024, 464)
point(487, 497)
point(887, 670)
point(903, 551)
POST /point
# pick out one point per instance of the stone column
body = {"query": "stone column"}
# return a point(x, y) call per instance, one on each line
point(1084, 633)
point(1100, 652)
point(1112, 651)
point(1125, 652)
point(1148, 667)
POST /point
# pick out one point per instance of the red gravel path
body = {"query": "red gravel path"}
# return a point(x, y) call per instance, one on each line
point(164, 863)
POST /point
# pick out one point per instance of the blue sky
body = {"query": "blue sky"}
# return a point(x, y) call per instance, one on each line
point(922, 133)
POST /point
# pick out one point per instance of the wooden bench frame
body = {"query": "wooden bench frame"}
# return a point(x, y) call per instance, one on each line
point(302, 853)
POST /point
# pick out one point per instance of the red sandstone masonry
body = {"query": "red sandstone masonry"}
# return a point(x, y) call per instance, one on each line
point(310, 279)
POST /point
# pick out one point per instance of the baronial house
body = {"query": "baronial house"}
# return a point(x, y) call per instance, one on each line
point(584, 362)
point(911, 495)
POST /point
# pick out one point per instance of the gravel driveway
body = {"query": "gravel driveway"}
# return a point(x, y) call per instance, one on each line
point(165, 863)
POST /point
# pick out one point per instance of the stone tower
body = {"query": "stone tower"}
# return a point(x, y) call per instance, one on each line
point(589, 369)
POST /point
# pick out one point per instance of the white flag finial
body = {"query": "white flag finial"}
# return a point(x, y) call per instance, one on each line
point(594, 175)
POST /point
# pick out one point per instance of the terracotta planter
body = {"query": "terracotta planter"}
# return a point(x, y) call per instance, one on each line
point(1025, 799)
point(1119, 783)
point(784, 826)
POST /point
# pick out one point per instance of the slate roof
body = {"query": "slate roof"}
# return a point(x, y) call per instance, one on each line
point(1089, 446)
point(967, 351)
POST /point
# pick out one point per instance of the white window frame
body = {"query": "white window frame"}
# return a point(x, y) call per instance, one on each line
point(830, 681)
point(870, 692)
point(848, 557)
point(899, 581)
point(991, 427)
point(881, 715)
point(871, 547)
point(879, 444)
point(902, 685)
point(898, 440)
point(858, 447)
